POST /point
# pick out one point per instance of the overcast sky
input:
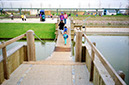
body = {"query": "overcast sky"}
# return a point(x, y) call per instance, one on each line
point(64, 3)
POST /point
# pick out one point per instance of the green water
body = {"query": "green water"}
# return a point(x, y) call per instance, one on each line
point(116, 50)
point(42, 51)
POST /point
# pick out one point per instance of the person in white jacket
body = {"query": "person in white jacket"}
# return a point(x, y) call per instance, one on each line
point(11, 16)
point(24, 17)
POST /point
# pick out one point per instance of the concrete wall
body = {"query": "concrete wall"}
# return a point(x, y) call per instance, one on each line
point(15, 57)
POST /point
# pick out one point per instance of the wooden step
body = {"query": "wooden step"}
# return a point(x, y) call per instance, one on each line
point(47, 62)
point(62, 49)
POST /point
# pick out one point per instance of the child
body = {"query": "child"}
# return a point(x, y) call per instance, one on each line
point(22, 17)
point(51, 15)
point(65, 29)
point(61, 26)
point(65, 37)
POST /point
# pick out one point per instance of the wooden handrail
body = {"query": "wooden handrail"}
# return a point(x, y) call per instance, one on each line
point(110, 69)
point(12, 40)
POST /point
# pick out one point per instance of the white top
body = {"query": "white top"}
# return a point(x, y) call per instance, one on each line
point(24, 16)
point(11, 15)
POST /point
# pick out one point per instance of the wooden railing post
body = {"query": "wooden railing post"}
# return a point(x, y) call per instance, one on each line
point(92, 64)
point(121, 74)
point(78, 46)
point(73, 25)
point(6, 70)
point(83, 59)
point(56, 25)
point(71, 20)
point(58, 19)
point(30, 45)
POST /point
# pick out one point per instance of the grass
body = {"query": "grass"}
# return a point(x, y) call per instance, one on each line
point(11, 30)
point(105, 20)
point(104, 17)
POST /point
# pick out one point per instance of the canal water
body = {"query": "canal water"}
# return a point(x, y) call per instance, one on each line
point(116, 50)
point(43, 51)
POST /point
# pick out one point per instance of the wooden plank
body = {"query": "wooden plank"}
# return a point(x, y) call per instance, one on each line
point(118, 80)
point(78, 46)
point(100, 69)
point(56, 26)
point(25, 53)
point(54, 62)
point(30, 45)
point(92, 64)
point(1, 72)
point(12, 40)
point(62, 49)
point(83, 54)
point(77, 25)
point(6, 71)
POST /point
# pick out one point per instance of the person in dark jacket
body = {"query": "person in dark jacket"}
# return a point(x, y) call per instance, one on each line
point(61, 26)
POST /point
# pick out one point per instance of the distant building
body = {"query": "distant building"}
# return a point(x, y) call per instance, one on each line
point(80, 13)
point(121, 12)
point(109, 12)
point(94, 12)
point(33, 12)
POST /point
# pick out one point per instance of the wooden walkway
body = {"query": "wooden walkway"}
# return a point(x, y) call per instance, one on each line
point(58, 69)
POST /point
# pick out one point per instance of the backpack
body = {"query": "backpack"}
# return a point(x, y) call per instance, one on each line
point(65, 29)
point(65, 36)
point(43, 16)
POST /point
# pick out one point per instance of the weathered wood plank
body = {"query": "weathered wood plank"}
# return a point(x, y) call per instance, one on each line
point(12, 40)
point(92, 64)
point(62, 49)
point(30, 45)
point(78, 46)
point(6, 70)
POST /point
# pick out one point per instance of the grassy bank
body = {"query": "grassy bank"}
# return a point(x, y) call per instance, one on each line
point(11, 30)
point(113, 21)
point(104, 17)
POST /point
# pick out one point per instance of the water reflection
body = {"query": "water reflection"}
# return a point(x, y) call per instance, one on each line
point(42, 51)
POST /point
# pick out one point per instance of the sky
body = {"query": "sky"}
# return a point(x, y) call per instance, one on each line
point(64, 3)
